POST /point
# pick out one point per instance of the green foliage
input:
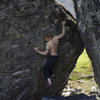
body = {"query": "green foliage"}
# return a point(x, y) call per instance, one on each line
point(83, 67)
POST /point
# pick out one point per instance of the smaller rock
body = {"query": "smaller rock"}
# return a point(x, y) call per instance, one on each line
point(81, 81)
point(64, 90)
point(94, 89)
point(66, 93)
point(73, 90)
point(79, 89)
point(68, 89)
point(98, 97)
point(95, 92)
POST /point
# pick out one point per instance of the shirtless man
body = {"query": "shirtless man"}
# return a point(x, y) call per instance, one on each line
point(51, 49)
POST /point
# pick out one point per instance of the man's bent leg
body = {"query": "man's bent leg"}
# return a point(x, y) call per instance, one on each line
point(49, 81)
point(47, 69)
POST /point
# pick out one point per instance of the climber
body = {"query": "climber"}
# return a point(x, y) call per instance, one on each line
point(51, 49)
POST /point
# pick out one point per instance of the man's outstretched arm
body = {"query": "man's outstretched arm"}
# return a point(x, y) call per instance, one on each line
point(63, 31)
point(41, 52)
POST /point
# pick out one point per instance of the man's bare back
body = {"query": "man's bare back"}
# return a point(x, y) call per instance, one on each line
point(52, 46)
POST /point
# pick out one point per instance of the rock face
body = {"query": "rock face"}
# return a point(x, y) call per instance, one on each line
point(88, 20)
point(69, 6)
point(23, 24)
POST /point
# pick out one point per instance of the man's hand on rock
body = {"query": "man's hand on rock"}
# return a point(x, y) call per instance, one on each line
point(63, 22)
point(36, 49)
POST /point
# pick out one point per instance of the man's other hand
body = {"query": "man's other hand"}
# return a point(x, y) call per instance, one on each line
point(63, 22)
point(36, 49)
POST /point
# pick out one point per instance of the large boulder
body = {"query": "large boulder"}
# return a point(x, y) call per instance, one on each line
point(88, 22)
point(23, 24)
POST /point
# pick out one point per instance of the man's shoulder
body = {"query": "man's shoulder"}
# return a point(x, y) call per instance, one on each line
point(48, 43)
point(55, 38)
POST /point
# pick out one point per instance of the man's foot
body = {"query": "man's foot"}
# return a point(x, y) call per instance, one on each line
point(48, 85)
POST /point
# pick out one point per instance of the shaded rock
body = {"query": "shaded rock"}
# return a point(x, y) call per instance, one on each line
point(88, 20)
point(95, 92)
point(74, 97)
point(23, 23)
point(67, 91)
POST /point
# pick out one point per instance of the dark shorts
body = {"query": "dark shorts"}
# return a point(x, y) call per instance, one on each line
point(47, 69)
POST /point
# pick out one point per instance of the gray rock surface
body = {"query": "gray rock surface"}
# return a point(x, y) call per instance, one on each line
point(69, 6)
point(23, 24)
point(88, 20)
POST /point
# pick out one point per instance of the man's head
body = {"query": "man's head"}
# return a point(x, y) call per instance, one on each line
point(47, 37)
